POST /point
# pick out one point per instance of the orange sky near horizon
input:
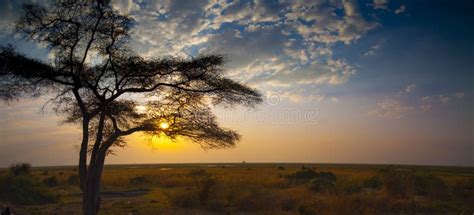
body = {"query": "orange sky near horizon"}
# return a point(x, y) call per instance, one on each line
point(266, 137)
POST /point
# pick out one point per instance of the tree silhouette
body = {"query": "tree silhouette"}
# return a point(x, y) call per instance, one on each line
point(96, 81)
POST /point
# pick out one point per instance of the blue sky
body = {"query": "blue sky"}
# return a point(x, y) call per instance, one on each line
point(391, 81)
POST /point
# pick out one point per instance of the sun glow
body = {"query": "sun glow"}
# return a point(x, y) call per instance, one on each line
point(164, 125)
point(163, 142)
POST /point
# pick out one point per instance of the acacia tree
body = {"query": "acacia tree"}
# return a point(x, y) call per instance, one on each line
point(96, 81)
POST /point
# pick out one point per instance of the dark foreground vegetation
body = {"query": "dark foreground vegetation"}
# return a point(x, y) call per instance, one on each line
point(245, 188)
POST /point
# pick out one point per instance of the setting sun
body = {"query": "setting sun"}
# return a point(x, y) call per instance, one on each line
point(164, 125)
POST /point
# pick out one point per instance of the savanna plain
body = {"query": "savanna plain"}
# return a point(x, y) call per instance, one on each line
point(245, 188)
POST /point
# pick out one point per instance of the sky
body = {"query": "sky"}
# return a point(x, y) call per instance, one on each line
point(382, 81)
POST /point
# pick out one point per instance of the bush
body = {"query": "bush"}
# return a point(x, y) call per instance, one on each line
point(327, 176)
point(23, 189)
point(204, 183)
point(305, 175)
point(253, 198)
point(51, 181)
point(184, 200)
point(464, 189)
point(431, 186)
point(73, 180)
point(321, 184)
point(372, 182)
point(398, 183)
point(20, 169)
point(139, 180)
point(348, 186)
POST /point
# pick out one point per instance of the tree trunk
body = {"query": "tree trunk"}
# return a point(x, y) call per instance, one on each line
point(91, 191)
point(83, 153)
point(91, 195)
point(91, 198)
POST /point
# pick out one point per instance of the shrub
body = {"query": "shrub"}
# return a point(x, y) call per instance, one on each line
point(139, 180)
point(20, 169)
point(327, 176)
point(348, 186)
point(373, 182)
point(73, 180)
point(321, 184)
point(23, 189)
point(464, 189)
point(253, 198)
point(430, 185)
point(302, 176)
point(398, 183)
point(402, 183)
point(184, 200)
point(204, 183)
point(305, 175)
point(51, 181)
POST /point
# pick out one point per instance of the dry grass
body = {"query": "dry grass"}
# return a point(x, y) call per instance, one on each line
point(265, 189)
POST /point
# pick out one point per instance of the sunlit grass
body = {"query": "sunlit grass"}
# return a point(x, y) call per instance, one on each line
point(265, 188)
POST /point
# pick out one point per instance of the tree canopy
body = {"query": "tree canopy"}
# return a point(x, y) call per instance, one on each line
point(95, 73)
point(97, 81)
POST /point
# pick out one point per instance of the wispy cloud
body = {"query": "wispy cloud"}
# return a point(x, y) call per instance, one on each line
point(380, 4)
point(403, 103)
point(284, 42)
point(373, 50)
point(400, 10)
point(391, 108)
point(408, 89)
point(429, 102)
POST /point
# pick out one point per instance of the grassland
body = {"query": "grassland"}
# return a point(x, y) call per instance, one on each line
point(250, 189)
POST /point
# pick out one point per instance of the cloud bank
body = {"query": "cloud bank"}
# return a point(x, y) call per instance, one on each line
point(284, 45)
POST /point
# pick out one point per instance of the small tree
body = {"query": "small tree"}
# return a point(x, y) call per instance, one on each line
point(96, 81)
point(20, 169)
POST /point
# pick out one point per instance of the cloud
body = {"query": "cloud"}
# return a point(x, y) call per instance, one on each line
point(426, 103)
point(9, 12)
point(402, 103)
point(266, 51)
point(327, 27)
point(400, 10)
point(372, 50)
point(267, 43)
point(124, 6)
point(380, 4)
point(391, 109)
point(407, 90)
point(444, 99)
point(429, 102)
point(296, 95)
point(459, 95)
point(410, 88)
